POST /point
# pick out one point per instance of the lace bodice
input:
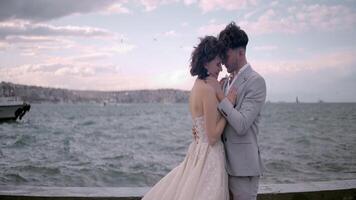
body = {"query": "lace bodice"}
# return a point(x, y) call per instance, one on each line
point(200, 128)
point(201, 175)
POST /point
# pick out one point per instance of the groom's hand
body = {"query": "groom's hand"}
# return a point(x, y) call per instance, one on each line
point(195, 134)
point(232, 95)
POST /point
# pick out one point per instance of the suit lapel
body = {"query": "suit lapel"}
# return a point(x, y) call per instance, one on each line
point(243, 77)
point(240, 80)
point(239, 83)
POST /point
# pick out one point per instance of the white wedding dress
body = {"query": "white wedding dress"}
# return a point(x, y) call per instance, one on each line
point(201, 176)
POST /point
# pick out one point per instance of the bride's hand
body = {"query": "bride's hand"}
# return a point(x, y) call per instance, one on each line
point(222, 81)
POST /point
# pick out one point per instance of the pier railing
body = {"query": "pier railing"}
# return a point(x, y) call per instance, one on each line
point(331, 190)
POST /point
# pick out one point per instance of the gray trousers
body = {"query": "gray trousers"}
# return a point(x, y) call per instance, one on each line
point(244, 187)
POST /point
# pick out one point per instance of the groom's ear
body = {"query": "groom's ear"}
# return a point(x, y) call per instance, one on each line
point(241, 51)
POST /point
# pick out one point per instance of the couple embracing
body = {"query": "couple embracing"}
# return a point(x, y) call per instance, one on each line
point(223, 162)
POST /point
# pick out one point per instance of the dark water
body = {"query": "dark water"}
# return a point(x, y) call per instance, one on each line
point(137, 144)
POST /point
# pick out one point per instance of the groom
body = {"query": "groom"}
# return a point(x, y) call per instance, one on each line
point(243, 160)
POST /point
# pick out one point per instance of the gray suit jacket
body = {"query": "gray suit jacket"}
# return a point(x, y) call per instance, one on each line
point(240, 133)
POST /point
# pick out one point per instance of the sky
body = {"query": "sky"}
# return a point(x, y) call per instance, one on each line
point(301, 48)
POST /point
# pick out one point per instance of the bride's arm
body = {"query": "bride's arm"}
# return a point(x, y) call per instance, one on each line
point(213, 126)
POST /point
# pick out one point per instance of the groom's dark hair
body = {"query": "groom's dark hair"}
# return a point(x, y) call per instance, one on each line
point(208, 48)
point(232, 37)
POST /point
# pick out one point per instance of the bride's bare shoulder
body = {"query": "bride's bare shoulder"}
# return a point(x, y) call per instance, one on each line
point(204, 89)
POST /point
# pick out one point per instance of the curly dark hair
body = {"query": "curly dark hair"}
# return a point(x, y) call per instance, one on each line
point(232, 37)
point(208, 48)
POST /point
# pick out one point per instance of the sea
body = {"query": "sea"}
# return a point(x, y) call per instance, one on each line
point(134, 145)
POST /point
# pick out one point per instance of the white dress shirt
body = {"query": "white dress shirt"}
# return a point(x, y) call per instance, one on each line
point(233, 81)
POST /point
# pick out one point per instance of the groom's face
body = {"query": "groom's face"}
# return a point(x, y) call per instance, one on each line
point(231, 60)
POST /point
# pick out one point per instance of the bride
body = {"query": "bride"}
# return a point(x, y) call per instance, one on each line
point(202, 174)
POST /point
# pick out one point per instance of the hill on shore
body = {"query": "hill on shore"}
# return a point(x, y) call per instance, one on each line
point(36, 94)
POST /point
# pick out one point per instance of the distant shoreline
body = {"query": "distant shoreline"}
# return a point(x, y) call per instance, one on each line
point(39, 94)
point(35, 94)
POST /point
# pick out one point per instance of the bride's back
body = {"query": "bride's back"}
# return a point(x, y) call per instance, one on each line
point(198, 91)
point(203, 109)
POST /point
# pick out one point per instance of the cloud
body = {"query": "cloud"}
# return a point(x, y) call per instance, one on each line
point(211, 29)
point(3, 46)
point(335, 61)
point(302, 18)
point(35, 45)
point(75, 71)
point(58, 69)
point(122, 48)
point(38, 42)
point(179, 79)
point(184, 24)
point(291, 20)
point(311, 78)
point(35, 38)
point(189, 2)
point(324, 16)
point(171, 33)
point(329, 76)
point(274, 3)
point(91, 57)
point(24, 32)
point(29, 39)
point(24, 28)
point(271, 22)
point(209, 5)
point(78, 76)
point(266, 48)
point(43, 10)
point(40, 68)
point(117, 8)
point(188, 48)
point(153, 4)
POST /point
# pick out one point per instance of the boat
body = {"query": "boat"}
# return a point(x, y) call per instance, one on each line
point(11, 108)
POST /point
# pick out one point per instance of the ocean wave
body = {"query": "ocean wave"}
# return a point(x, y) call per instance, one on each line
point(135, 145)
point(23, 140)
point(87, 123)
point(39, 169)
point(15, 178)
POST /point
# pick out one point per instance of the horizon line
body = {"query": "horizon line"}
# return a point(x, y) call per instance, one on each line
point(319, 101)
